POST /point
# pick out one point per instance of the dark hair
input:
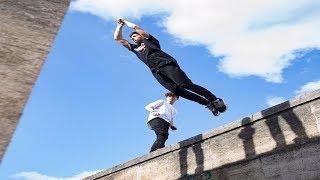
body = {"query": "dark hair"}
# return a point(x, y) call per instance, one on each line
point(134, 32)
point(171, 94)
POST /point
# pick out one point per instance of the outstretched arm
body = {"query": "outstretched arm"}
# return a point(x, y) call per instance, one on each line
point(135, 27)
point(118, 34)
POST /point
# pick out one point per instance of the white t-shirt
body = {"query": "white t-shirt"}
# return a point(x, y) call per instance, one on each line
point(166, 111)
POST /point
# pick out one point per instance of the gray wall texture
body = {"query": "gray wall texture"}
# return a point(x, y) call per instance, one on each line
point(281, 142)
point(27, 30)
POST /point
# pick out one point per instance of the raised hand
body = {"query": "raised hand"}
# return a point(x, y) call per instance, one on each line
point(120, 21)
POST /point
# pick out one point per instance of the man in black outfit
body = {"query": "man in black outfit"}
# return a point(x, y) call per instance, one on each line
point(165, 68)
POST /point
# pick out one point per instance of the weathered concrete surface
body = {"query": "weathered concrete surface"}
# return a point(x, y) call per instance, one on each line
point(282, 142)
point(27, 30)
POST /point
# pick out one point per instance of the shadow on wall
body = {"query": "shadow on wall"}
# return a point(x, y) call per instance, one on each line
point(197, 152)
point(246, 134)
point(292, 120)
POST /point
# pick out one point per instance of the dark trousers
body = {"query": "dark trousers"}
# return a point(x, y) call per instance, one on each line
point(161, 128)
point(175, 80)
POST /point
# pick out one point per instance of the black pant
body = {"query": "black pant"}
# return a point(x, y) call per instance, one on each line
point(175, 80)
point(161, 128)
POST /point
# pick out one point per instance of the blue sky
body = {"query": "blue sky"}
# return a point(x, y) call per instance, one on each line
point(86, 111)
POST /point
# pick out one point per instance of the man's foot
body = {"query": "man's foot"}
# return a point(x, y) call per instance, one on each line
point(214, 111)
point(217, 106)
point(220, 105)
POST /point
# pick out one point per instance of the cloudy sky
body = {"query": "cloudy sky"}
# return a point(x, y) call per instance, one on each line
point(86, 111)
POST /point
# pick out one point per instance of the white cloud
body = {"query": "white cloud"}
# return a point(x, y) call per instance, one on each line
point(259, 38)
point(109, 10)
point(37, 176)
point(32, 176)
point(308, 87)
point(274, 100)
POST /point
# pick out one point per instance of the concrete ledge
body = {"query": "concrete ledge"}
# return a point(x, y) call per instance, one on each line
point(290, 124)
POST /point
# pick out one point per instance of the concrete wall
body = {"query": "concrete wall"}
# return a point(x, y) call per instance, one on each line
point(282, 142)
point(27, 30)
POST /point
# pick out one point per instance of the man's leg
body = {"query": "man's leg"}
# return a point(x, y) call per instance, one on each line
point(161, 128)
point(173, 87)
point(174, 73)
point(189, 95)
point(199, 90)
point(216, 105)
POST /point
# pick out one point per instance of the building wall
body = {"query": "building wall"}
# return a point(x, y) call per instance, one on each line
point(27, 30)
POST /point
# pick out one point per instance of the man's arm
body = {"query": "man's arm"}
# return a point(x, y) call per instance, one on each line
point(118, 35)
point(173, 127)
point(138, 29)
point(152, 106)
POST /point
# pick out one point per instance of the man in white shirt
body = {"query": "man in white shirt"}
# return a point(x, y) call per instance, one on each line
point(161, 114)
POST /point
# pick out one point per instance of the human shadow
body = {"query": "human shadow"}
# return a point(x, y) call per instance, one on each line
point(291, 119)
point(246, 134)
point(274, 117)
point(198, 153)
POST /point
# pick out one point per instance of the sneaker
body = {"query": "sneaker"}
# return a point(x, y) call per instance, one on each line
point(220, 105)
point(216, 107)
point(212, 108)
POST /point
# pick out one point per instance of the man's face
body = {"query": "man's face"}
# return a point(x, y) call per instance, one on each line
point(171, 99)
point(137, 38)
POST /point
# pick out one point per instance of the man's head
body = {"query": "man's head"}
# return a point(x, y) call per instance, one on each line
point(171, 97)
point(136, 37)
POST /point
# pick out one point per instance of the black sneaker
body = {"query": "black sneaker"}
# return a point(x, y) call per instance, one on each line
point(216, 107)
point(220, 105)
point(212, 108)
